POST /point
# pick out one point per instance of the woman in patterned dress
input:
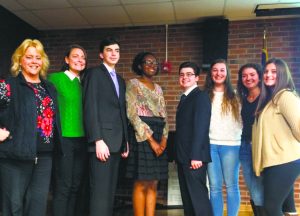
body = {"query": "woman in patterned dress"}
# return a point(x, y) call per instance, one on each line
point(146, 111)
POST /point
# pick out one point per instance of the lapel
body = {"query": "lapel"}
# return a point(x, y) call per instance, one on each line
point(187, 99)
point(107, 75)
point(49, 89)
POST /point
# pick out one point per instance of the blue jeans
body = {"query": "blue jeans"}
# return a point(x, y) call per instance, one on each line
point(224, 165)
point(254, 183)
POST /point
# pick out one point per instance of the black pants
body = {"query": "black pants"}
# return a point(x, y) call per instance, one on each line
point(289, 202)
point(103, 183)
point(194, 192)
point(278, 182)
point(68, 176)
point(25, 186)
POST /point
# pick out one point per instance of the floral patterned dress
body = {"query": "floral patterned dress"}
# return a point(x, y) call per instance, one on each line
point(146, 111)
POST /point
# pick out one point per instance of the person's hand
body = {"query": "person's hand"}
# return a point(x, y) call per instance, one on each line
point(125, 154)
point(102, 150)
point(195, 164)
point(3, 134)
point(163, 144)
point(155, 147)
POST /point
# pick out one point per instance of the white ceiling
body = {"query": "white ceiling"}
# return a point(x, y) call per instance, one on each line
point(73, 14)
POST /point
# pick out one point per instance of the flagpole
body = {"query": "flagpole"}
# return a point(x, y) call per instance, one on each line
point(264, 40)
point(264, 53)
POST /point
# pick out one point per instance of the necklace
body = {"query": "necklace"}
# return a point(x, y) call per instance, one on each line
point(251, 98)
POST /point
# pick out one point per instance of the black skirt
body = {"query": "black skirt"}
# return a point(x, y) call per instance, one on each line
point(142, 162)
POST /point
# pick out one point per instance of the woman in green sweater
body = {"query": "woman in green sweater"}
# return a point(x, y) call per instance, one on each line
point(69, 168)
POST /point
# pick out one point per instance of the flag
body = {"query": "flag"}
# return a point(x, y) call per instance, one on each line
point(264, 51)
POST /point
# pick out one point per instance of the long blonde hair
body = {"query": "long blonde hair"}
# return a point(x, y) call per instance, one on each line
point(20, 52)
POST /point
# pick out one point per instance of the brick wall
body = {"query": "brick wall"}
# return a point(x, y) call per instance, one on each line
point(185, 43)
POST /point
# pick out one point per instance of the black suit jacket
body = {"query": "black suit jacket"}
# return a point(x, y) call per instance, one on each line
point(192, 128)
point(104, 112)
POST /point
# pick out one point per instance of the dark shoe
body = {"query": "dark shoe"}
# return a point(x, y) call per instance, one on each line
point(260, 211)
point(254, 209)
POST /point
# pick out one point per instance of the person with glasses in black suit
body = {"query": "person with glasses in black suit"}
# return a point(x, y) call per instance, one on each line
point(192, 149)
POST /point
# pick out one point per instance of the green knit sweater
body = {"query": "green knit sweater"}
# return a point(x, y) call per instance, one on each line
point(69, 103)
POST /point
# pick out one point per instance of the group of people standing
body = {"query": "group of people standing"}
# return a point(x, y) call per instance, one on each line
point(74, 119)
point(258, 126)
point(80, 118)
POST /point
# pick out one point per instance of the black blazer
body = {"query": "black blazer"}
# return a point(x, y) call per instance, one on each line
point(192, 128)
point(104, 112)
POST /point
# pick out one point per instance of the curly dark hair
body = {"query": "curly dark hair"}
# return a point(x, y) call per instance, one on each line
point(138, 63)
point(241, 89)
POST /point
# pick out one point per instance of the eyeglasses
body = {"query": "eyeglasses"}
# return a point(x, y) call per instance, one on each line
point(155, 63)
point(188, 75)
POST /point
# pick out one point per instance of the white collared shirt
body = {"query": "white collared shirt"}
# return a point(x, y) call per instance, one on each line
point(190, 89)
point(110, 69)
point(71, 75)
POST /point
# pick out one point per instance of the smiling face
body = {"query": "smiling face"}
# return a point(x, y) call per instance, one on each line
point(149, 66)
point(31, 64)
point(270, 75)
point(250, 78)
point(187, 78)
point(111, 55)
point(218, 74)
point(76, 60)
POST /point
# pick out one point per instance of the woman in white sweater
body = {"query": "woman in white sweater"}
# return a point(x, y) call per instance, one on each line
point(225, 138)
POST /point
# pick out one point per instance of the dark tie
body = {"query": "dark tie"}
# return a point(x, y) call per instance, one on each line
point(182, 98)
point(115, 80)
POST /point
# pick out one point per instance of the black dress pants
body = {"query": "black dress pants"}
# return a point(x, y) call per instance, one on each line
point(194, 192)
point(103, 183)
point(68, 175)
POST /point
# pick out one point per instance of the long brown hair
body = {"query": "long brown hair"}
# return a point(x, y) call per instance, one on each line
point(230, 101)
point(284, 80)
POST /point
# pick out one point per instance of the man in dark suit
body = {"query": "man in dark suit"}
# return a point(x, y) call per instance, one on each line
point(192, 150)
point(106, 127)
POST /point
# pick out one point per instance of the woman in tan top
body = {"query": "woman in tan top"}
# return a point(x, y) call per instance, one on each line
point(276, 135)
point(146, 111)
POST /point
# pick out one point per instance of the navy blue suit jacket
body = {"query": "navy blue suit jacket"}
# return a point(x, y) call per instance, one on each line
point(192, 128)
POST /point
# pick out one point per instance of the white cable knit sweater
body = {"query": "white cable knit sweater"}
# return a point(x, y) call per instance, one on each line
point(224, 129)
